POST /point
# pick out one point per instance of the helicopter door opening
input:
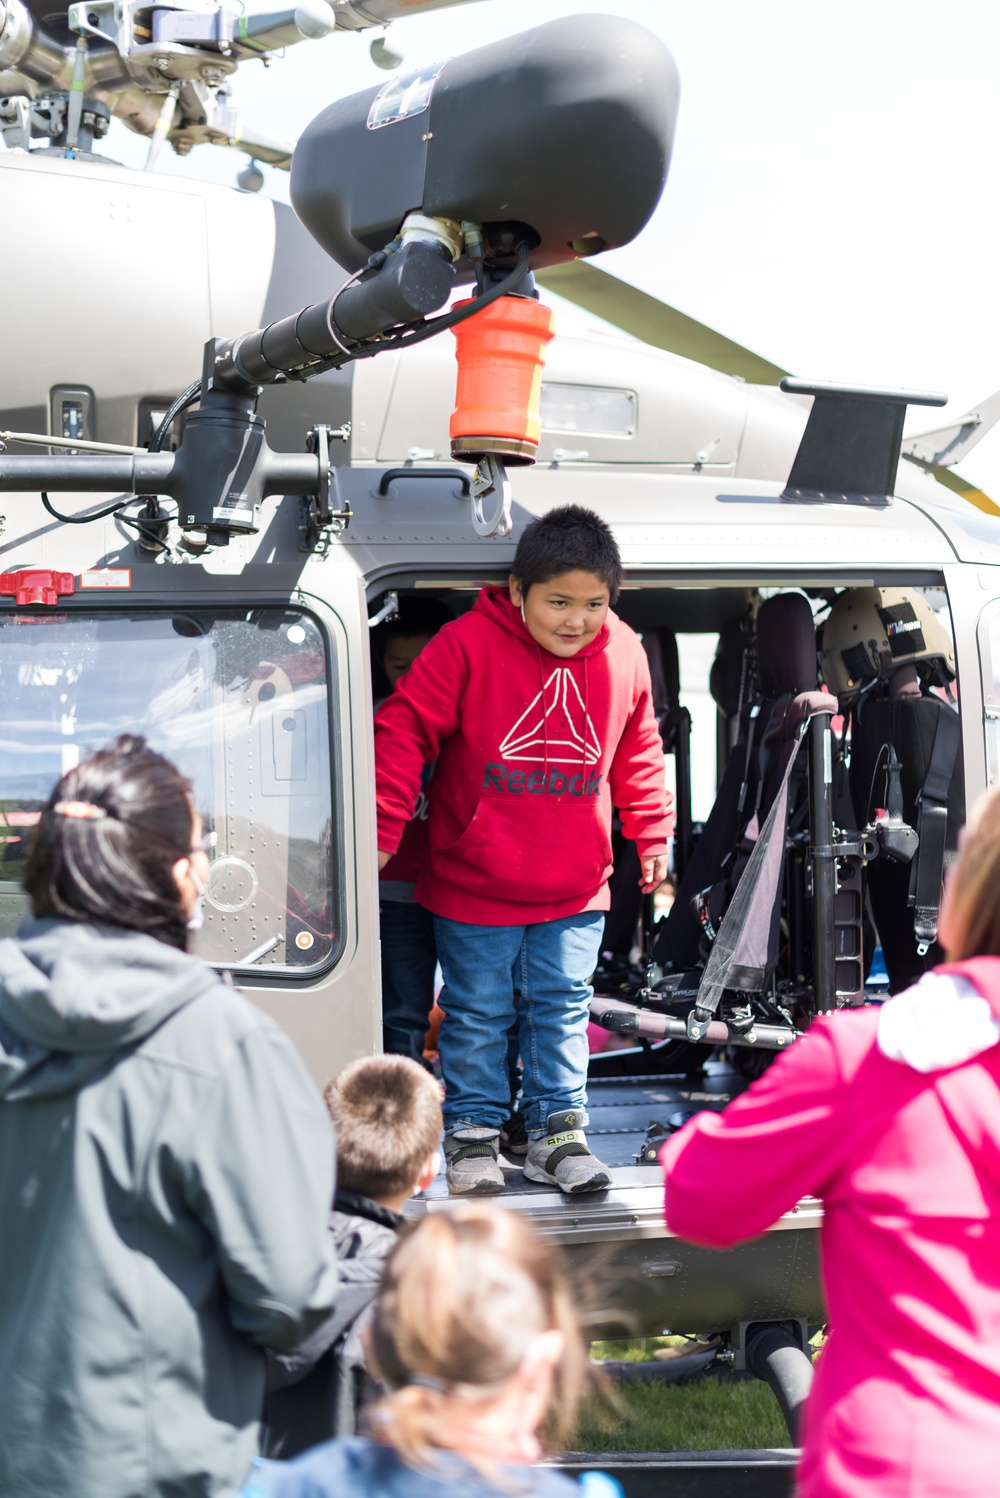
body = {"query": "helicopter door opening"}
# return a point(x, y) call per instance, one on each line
point(756, 707)
point(240, 701)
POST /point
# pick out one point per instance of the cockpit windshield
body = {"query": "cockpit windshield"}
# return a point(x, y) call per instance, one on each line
point(239, 700)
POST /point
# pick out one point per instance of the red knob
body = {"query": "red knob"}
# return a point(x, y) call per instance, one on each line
point(37, 585)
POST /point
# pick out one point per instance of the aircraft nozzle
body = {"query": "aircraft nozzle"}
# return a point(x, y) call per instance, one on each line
point(309, 20)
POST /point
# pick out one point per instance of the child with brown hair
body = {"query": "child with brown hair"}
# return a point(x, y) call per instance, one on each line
point(475, 1335)
point(386, 1112)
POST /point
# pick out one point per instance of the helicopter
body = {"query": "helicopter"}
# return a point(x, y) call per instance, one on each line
point(236, 577)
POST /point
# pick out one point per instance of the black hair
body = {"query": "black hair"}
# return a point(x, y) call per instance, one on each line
point(416, 616)
point(117, 868)
point(568, 539)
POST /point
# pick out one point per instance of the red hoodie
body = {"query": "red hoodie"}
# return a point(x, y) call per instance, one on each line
point(533, 750)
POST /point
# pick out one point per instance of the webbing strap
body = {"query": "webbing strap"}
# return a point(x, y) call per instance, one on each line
point(563, 1152)
point(927, 869)
point(481, 1151)
point(751, 726)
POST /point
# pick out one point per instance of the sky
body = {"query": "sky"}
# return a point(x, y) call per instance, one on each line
point(831, 198)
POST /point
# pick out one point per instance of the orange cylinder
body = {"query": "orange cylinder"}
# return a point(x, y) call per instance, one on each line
point(501, 353)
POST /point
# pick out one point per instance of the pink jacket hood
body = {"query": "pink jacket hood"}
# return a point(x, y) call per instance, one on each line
point(945, 1019)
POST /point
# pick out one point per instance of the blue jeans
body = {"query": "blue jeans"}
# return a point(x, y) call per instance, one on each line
point(551, 962)
point(409, 960)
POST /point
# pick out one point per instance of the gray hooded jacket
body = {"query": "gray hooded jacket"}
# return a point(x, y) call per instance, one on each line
point(166, 1169)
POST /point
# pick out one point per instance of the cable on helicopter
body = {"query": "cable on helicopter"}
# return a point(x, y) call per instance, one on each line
point(186, 398)
point(119, 504)
point(248, 364)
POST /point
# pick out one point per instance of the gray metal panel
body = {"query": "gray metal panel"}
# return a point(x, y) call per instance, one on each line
point(660, 1282)
point(155, 238)
point(697, 525)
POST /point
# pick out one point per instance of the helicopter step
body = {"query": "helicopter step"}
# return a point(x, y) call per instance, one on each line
point(660, 1283)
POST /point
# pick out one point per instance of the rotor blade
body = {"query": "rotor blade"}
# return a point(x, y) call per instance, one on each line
point(945, 446)
point(653, 321)
point(958, 485)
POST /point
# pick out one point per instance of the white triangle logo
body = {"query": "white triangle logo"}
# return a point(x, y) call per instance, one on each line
point(577, 739)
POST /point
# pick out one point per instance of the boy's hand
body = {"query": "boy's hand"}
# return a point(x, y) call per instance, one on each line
point(654, 871)
point(383, 859)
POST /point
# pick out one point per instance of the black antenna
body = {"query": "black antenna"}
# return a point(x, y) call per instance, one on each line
point(849, 451)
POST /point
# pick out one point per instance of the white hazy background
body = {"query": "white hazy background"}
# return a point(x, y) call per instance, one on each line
point(831, 201)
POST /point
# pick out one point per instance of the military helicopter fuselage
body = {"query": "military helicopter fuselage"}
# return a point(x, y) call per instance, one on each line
point(245, 654)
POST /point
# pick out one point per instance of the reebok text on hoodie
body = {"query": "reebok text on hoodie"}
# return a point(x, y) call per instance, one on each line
point(533, 752)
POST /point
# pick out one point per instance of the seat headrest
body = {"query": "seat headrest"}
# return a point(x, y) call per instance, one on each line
point(727, 674)
point(786, 645)
point(660, 646)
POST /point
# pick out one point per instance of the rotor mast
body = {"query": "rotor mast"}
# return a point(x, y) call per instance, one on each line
point(163, 69)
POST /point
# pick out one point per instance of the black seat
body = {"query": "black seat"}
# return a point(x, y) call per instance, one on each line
point(911, 721)
point(769, 727)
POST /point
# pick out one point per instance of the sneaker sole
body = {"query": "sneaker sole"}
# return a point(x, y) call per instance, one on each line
point(512, 1149)
point(477, 1188)
point(599, 1182)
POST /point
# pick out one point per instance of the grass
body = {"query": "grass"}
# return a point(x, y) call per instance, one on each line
point(635, 1350)
point(718, 1411)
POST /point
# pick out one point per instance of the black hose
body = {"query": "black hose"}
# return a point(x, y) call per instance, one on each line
point(136, 521)
point(773, 1354)
point(119, 504)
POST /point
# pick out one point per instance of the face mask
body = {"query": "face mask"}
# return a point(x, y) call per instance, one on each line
point(197, 917)
point(523, 614)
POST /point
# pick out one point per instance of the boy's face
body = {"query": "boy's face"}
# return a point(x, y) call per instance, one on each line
point(400, 653)
point(565, 613)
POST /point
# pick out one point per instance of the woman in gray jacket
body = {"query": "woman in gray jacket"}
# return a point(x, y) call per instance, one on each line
point(166, 1164)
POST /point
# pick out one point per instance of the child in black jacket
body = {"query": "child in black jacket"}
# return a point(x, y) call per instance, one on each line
point(386, 1111)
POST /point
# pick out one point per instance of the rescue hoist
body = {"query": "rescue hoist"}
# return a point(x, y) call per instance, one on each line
point(477, 170)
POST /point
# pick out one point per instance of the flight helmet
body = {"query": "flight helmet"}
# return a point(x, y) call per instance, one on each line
point(870, 632)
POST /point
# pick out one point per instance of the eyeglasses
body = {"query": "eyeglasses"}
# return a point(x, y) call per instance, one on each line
point(207, 843)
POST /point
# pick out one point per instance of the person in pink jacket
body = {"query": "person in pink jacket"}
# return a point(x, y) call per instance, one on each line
point(892, 1116)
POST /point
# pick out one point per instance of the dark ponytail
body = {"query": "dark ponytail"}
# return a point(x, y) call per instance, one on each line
point(107, 841)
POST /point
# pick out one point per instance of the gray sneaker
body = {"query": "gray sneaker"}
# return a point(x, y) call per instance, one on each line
point(514, 1135)
point(562, 1158)
point(471, 1154)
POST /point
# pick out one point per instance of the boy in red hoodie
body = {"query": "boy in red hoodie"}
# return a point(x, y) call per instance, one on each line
point(536, 705)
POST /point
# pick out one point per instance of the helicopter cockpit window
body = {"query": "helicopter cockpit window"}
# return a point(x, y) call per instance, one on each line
point(240, 702)
point(588, 409)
